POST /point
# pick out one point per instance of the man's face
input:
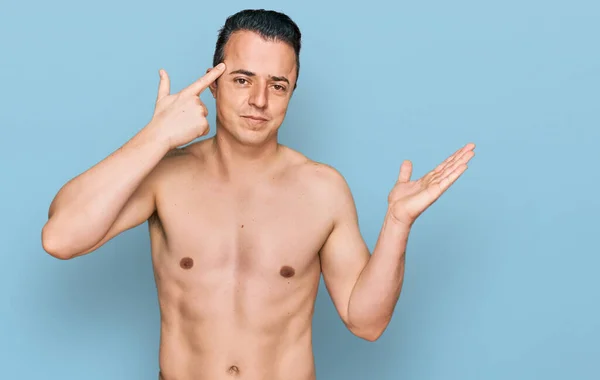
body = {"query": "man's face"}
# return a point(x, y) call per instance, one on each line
point(253, 93)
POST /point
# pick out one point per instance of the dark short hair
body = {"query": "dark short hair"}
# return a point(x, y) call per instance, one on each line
point(270, 25)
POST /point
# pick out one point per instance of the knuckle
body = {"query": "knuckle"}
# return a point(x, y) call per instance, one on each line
point(204, 127)
point(197, 101)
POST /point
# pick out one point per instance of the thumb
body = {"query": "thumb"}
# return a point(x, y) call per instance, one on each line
point(164, 86)
point(405, 171)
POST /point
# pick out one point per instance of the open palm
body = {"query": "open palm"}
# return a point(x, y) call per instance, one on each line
point(408, 199)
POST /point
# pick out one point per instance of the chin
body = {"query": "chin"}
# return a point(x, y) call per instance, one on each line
point(254, 137)
point(252, 132)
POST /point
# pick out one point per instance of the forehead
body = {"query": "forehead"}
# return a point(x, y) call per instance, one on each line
point(249, 51)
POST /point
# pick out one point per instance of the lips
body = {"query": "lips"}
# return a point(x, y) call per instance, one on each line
point(255, 118)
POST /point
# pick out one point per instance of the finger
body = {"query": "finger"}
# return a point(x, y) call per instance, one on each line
point(436, 188)
point(449, 164)
point(447, 160)
point(443, 166)
point(164, 85)
point(463, 158)
point(201, 84)
point(450, 167)
point(452, 158)
point(204, 110)
point(448, 180)
point(199, 103)
point(405, 171)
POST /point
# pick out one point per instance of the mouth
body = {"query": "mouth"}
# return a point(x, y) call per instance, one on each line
point(255, 118)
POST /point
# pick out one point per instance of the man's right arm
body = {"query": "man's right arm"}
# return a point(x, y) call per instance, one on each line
point(113, 196)
point(118, 193)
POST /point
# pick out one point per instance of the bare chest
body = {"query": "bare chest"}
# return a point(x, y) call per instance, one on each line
point(262, 234)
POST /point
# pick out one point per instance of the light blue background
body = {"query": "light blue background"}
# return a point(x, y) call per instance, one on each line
point(502, 273)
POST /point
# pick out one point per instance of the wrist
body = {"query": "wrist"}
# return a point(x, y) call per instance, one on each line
point(398, 223)
point(156, 133)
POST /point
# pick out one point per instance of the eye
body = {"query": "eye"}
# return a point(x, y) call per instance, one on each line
point(279, 87)
point(240, 81)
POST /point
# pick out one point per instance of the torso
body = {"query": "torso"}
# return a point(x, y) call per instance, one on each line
point(237, 271)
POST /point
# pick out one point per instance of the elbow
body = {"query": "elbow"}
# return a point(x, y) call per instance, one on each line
point(370, 333)
point(53, 244)
point(371, 336)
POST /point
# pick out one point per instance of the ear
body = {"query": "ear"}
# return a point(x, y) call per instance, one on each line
point(213, 85)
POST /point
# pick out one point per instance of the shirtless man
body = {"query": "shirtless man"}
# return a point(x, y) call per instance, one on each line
point(242, 227)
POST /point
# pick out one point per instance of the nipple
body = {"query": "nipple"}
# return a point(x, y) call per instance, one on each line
point(186, 263)
point(287, 271)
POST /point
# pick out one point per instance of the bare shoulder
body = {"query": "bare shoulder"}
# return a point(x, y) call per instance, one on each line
point(176, 163)
point(322, 180)
point(325, 177)
point(174, 159)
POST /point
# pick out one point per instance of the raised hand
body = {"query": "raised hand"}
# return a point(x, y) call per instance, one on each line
point(409, 199)
point(182, 116)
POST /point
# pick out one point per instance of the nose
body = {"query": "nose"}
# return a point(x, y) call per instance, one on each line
point(258, 95)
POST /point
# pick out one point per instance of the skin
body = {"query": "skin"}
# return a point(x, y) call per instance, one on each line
point(242, 227)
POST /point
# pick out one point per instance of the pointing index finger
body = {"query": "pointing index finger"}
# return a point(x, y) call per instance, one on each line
point(201, 84)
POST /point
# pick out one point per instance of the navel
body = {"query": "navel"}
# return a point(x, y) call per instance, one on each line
point(186, 263)
point(287, 271)
point(233, 370)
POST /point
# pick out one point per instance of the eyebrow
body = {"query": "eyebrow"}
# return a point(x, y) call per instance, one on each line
point(251, 74)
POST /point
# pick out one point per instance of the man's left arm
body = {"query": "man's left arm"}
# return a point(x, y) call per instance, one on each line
point(365, 287)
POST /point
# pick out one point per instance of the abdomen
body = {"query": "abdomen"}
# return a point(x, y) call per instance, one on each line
point(223, 324)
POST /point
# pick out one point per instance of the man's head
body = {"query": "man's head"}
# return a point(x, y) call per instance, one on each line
point(261, 50)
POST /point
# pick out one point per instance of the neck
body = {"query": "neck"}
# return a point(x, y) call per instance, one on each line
point(237, 160)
